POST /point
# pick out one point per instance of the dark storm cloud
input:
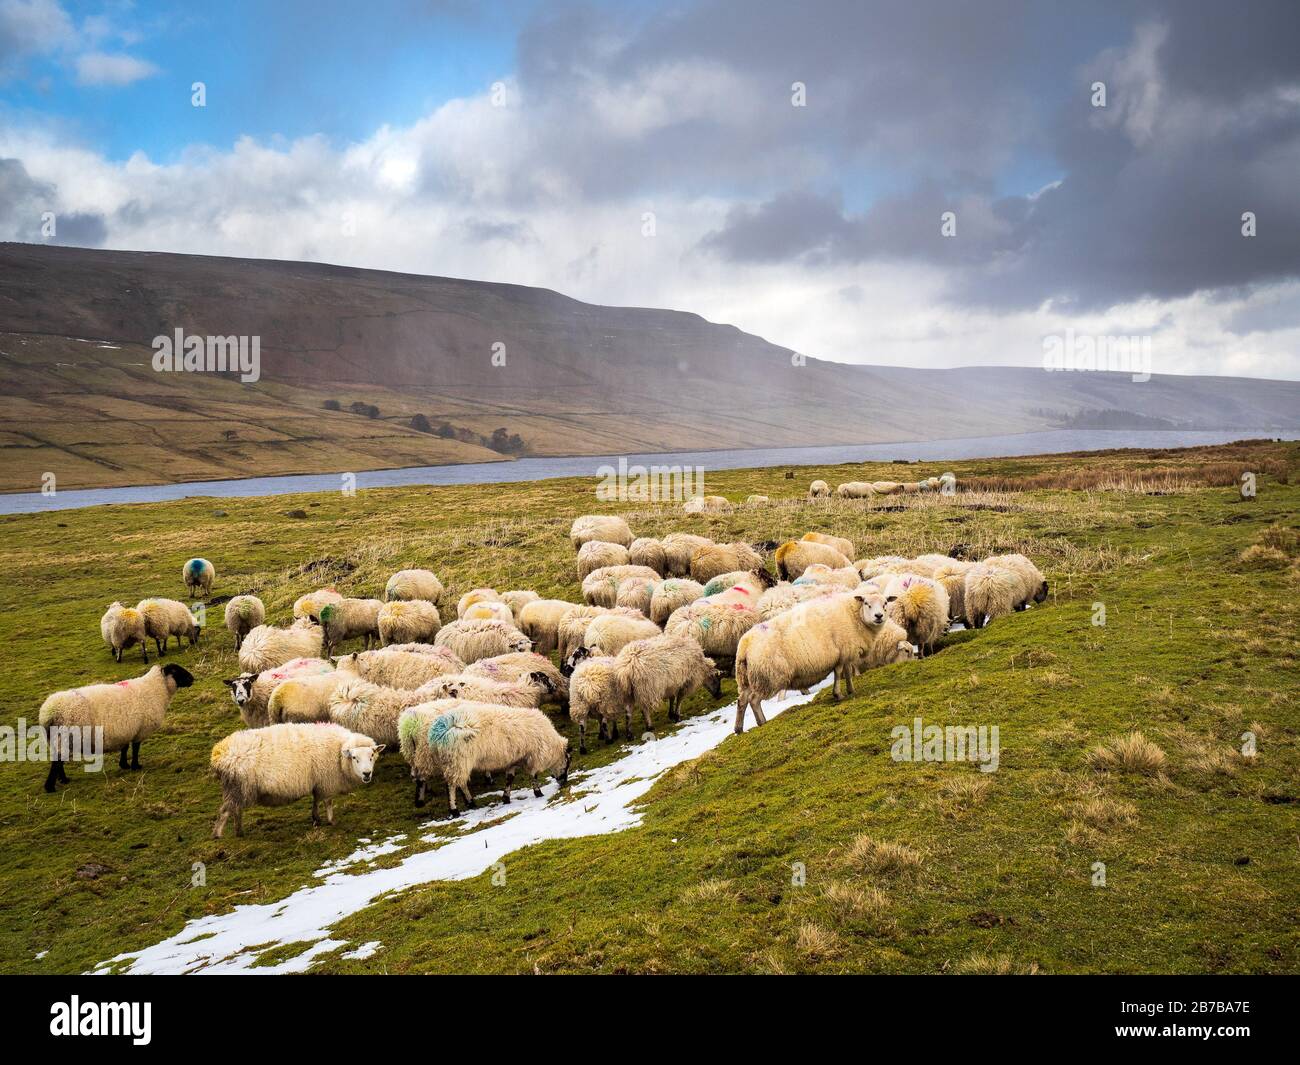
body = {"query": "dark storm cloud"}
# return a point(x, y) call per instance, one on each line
point(23, 203)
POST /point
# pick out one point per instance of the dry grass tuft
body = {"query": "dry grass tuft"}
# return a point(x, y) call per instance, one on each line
point(1263, 557)
point(1133, 753)
point(883, 858)
point(959, 793)
point(980, 964)
point(857, 900)
point(714, 887)
point(815, 943)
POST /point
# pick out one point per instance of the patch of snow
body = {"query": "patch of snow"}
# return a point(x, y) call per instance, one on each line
point(366, 950)
point(41, 955)
point(362, 854)
point(600, 801)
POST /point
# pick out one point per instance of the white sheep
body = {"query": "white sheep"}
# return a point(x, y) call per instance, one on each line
point(395, 668)
point(472, 640)
point(198, 574)
point(308, 606)
point(540, 622)
point(606, 528)
point(662, 668)
point(952, 575)
point(637, 593)
point(252, 691)
point(572, 626)
point(456, 737)
point(243, 614)
point(531, 690)
point(524, 665)
point(279, 764)
point(408, 621)
point(712, 560)
point(716, 627)
point(349, 619)
point(594, 688)
point(123, 627)
point(707, 505)
point(596, 554)
point(873, 567)
point(647, 552)
point(266, 646)
point(845, 577)
point(756, 500)
point(855, 490)
point(408, 584)
point(476, 595)
point(798, 648)
point(843, 546)
point(670, 595)
point(128, 712)
point(612, 632)
point(496, 610)
point(678, 549)
point(785, 597)
point(920, 605)
point(518, 598)
point(819, 489)
point(1033, 585)
point(302, 699)
point(990, 592)
point(794, 556)
point(373, 709)
point(164, 618)
point(600, 587)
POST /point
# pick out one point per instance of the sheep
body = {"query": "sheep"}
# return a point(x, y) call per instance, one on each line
point(275, 766)
point(530, 690)
point(678, 549)
point(596, 554)
point(349, 619)
point(407, 584)
point(784, 597)
point(524, 664)
point(886, 488)
point(416, 648)
point(496, 610)
point(1033, 583)
point(663, 667)
point(302, 699)
point(794, 556)
point(572, 626)
point(594, 689)
point(756, 500)
point(647, 552)
point(670, 595)
point(243, 614)
point(252, 691)
point(373, 709)
point(128, 712)
point(798, 648)
point(843, 546)
point(198, 574)
point(123, 627)
point(854, 490)
point(706, 505)
point(637, 593)
point(605, 528)
point(164, 618)
point(819, 489)
point(517, 599)
point(408, 621)
point(755, 582)
point(920, 605)
point(952, 575)
point(455, 737)
point(266, 647)
point(394, 668)
point(540, 622)
point(612, 632)
point(600, 587)
point(472, 640)
point(872, 567)
point(845, 577)
point(477, 595)
point(990, 592)
point(307, 606)
point(714, 559)
point(716, 627)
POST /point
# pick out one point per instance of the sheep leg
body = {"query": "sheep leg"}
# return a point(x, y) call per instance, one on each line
point(135, 754)
point(848, 680)
point(582, 735)
point(740, 715)
point(627, 720)
point(469, 798)
point(329, 811)
point(756, 704)
point(510, 783)
point(315, 809)
point(673, 713)
point(537, 792)
point(117, 654)
point(52, 777)
point(63, 772)
point(613, 728)
point(228, 807)
point(649, 724)
point(121, 761)
point(420, 788)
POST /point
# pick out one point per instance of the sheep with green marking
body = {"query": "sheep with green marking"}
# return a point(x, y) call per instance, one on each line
point(243, 614)
point(350, 619)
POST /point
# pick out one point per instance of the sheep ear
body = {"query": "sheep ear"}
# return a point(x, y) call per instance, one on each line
point(860, 598)
point(379, 748)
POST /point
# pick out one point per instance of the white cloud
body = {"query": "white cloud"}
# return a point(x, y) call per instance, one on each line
point(112, 68)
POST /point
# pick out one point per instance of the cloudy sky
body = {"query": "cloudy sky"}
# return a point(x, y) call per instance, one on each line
point(785, 167)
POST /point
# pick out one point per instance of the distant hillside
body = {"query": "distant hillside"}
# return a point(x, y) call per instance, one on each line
point(81, 399)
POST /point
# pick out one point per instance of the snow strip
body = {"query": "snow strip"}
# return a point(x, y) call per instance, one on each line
point(599, 802)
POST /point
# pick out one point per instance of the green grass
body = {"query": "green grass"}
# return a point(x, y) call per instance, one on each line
point(1202, 858)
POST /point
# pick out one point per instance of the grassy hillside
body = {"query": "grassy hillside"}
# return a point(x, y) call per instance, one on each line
point(930, 867)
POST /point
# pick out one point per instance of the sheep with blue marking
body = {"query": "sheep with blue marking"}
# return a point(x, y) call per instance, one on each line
point(198, 574)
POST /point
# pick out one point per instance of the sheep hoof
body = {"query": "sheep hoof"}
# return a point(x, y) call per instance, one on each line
point(537, 793)
point(49, 786)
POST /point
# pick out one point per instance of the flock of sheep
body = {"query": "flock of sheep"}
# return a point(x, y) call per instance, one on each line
point(660, 619)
